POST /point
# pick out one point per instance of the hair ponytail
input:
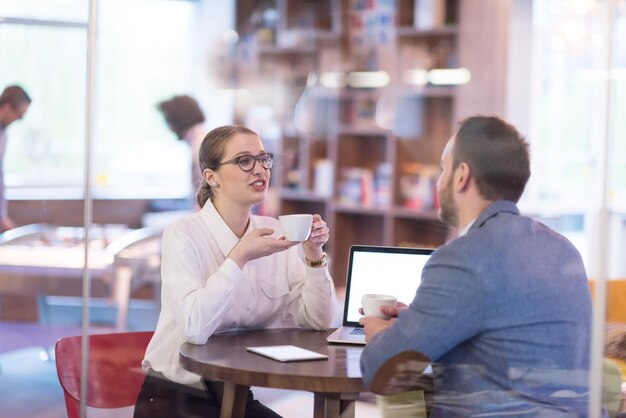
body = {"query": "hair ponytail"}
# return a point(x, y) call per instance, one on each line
point(204, 193)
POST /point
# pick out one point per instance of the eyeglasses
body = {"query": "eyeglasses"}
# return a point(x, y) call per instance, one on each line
point(247, 162)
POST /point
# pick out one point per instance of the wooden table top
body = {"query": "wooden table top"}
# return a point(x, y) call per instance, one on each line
point(58, 251)
point(51, 259)
point(224, 357)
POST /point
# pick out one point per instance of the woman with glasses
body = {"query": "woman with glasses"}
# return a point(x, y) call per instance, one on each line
point(224, 268)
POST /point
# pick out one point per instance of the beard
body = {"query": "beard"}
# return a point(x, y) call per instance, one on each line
point(448, 211)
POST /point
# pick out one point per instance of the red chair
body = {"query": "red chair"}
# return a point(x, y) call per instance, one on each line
point(114, 373)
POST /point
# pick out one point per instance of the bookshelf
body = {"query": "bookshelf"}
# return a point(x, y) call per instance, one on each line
point(364, 158)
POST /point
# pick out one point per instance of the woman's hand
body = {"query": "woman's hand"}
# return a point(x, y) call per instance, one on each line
point(318, 237)
point(257, 244)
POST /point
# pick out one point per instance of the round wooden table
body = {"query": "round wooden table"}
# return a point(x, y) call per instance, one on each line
point(336, 382)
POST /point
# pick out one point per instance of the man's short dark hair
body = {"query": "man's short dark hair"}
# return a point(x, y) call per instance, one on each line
point(497, 154)
point(181, 113)
point(15, 95)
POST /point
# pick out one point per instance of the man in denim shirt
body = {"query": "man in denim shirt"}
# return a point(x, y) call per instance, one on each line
point(504, 310)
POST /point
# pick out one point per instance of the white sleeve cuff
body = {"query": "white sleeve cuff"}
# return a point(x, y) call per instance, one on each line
point(232, 270)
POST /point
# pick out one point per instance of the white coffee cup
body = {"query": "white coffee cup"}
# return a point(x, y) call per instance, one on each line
point(372, 302)
point(296, 227)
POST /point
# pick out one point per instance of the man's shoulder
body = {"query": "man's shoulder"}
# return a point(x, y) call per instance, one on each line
point(505, 233)
point(503, 220)
point(459, 251)
point(510, 228)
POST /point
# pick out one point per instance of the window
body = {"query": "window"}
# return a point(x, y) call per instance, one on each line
point(139, 62)
point(46, 147)
point(570, 101)
point(60, 10)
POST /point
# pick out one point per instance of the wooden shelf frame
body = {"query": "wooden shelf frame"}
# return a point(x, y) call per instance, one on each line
point(350, 137)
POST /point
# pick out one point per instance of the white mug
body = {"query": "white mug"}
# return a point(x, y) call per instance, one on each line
point(296, 227)
point(372, 302)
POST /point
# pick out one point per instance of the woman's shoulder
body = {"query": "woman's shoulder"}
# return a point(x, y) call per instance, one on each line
point(187, 222)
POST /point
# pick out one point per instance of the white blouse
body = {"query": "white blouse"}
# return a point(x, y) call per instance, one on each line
point(204, 292)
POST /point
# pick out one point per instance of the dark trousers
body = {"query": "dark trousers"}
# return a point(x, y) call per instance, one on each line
point(162, 398)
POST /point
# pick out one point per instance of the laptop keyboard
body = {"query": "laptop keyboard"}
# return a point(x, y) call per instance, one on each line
point(357, 331)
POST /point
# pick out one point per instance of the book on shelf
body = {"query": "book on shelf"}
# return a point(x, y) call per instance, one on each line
point(429, 14)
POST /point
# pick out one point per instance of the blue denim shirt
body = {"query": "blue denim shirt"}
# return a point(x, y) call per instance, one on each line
point(504, 313)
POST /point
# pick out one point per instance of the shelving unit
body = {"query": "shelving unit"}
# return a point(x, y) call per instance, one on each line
point(372, 185)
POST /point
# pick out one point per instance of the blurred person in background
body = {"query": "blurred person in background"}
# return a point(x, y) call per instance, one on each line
point(185, 118)
point(14, 103)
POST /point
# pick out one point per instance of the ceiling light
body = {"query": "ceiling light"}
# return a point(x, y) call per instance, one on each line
point(449, 76)
point(333, 80)
point(368, 79)
point(415, 77)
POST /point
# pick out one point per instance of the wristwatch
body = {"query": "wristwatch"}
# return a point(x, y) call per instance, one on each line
point(322, 262)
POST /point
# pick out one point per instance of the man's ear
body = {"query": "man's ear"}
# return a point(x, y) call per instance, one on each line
point(463, 174)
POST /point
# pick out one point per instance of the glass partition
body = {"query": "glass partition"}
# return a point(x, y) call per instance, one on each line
point(51, 138)
point(141, 179)
point(577, 184)
point(348, 151)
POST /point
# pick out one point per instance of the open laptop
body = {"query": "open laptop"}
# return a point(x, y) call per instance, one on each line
point(393, 271)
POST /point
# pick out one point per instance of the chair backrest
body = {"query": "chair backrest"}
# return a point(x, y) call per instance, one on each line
point(402, 372)
point(114, 375)
point(400, 379)
point(400, 384)
point(615, 299)
point(24, 232)
point(611, 387)
point(132, 238)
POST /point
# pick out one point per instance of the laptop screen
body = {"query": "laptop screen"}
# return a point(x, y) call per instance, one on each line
point(393, 271)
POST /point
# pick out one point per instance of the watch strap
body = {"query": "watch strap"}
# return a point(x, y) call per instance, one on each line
point(322, 262)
